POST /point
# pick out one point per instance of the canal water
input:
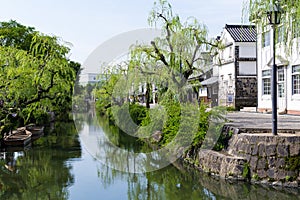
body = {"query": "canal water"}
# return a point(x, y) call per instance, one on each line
point(63, 165)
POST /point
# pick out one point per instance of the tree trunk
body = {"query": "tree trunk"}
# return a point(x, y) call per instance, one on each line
point(148, 89)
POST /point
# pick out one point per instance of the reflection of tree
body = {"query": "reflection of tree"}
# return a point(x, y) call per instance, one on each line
point(43, 172)
point(171, 183)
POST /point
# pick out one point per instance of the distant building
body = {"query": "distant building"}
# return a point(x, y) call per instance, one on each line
point(90, 78)
point(237, 67)
point(208, 92)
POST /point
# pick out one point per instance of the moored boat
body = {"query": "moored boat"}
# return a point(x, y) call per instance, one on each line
point(20, 137)
point(37, 131)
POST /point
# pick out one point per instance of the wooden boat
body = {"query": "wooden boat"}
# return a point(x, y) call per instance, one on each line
point(37, 131)
point(19, 137)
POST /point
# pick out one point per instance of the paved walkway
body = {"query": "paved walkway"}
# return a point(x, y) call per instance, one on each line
point(251, 120)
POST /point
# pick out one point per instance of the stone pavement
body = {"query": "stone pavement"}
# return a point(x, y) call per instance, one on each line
point(259, 122)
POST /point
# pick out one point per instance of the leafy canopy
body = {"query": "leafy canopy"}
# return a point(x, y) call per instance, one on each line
point(35, 72)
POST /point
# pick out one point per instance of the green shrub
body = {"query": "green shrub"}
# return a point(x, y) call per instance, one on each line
point(246, 171)
point(223, 140)
point(41, 116)
point(137, 113)
point(255, 177)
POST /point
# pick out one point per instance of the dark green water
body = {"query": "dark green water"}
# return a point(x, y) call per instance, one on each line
point(60, 166)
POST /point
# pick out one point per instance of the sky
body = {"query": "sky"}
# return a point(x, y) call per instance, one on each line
point(89, 23)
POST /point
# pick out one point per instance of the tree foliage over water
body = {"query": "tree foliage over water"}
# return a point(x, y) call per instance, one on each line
point(166, 63)
point(36, 75)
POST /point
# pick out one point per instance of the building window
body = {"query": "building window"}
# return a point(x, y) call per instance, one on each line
point(266, 39)
point(296, 79)
point(280, 74)
point(280, 82)
point(266, 80)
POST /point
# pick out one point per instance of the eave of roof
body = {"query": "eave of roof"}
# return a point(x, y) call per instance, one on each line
point(242, 33)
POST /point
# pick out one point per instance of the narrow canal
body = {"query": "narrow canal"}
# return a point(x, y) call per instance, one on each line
point(62, 165)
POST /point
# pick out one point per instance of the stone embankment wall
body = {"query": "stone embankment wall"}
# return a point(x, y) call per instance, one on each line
point(273, 158)
point(257, 157)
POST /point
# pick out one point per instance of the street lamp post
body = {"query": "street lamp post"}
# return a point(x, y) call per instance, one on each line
point(274, 15)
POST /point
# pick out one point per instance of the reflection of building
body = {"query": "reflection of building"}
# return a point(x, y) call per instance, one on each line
point(288, 69)
point(237, 67)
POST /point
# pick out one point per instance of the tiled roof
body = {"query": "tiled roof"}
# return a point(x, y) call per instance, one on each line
point(210, 81)
point(242, 33)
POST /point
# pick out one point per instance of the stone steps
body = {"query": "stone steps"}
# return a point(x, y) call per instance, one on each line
point(221, 164)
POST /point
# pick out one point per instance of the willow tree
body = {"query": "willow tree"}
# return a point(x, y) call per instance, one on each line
point(256, 11)
point(176, 54)
point(34, 81)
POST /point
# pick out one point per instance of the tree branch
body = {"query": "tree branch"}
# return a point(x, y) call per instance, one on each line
point(168, 31)
point(160, 55)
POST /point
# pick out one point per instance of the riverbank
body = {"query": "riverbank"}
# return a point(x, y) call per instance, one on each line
point(253, 153)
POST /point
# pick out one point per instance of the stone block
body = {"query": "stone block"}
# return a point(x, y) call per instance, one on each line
point(253, 162)
point(282, 150)
point(261, 173)
point(271, 161)
point(247, 157)
point(280, 163)
point(253, 140)
point(261, 150)
point(255, 150)
point(272, 173)
point(248, 149)
point(261, 164)
point(291, 173)
point(295, 150)
point(280, 175)
point(271, 150)
point(238, 169)
point(243, 148)
point(270, 139)
point(293, 184)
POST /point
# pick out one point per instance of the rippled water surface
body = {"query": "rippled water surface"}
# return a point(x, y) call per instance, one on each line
point(60, 165)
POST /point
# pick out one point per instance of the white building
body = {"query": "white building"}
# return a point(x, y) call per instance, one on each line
point(287, 60)
point(89, 78)
point(237, 67)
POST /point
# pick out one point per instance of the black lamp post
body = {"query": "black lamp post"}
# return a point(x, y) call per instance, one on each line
point(274, 15)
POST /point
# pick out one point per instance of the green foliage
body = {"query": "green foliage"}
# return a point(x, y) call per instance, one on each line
point(288, 178)
point(255, 177)
point(204, 117)
point(246, 171)
point(137, 113)
point(171, 126)
point(16, 35)
point(223, 140)
point(104, 94)
point(128, 117)
point(172, 58)
point(256, 11)
point(230, 108)
point(35, 73)
point(292, 163)
point(153, 121)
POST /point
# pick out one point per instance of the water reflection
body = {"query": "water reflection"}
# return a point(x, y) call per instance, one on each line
point(57, 167)
point(173, 182)
point(40, 171)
